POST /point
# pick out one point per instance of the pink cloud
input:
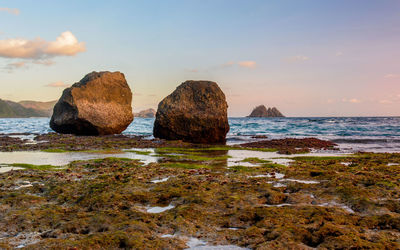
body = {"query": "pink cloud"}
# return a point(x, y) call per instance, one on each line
point(247, 64)
point(65, 45)
point(298, 58)
point(58, 84)
point(10, 10)
point(391, 76)
point(385, 102)
point(352, 100)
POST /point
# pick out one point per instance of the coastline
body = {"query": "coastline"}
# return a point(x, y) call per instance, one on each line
point(130, 191)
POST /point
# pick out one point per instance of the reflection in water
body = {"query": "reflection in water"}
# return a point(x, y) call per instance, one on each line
point(217, 158)
point(62, 159)
point(4, 169)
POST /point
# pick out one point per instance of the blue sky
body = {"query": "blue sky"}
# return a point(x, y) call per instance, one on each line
point(308, 58)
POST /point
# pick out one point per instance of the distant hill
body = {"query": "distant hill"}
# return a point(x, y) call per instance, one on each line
point(9, 109)
point(44, 107)
point(148, 113)
point(262, 111)
point(22, 109)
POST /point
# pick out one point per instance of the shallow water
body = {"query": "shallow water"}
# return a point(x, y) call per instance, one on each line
point(5, 169)
point(338, 205)
point(237, 157)
point(160, 180)
point(301, 181)
point(157, 210)
point(62, 159)
point(197, 244)
point(275, 175)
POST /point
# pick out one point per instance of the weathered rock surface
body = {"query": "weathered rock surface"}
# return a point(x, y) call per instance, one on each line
point(99, 104)
point(262, 111)
point(195, 112)
point(147, 113)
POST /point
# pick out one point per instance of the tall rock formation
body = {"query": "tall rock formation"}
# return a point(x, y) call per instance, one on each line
point(99, 104)
point(262, 111)
point(195, 112)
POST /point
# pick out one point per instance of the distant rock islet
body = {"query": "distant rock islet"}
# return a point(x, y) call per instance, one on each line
point(147, 113)
point(262, 111)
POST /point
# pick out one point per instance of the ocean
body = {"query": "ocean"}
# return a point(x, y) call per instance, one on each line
point(372, 134)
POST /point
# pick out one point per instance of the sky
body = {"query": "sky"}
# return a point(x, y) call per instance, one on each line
point(305, 57)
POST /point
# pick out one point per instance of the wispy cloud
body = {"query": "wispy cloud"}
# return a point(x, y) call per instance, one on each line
point(243, 64)
point(44, 62)
point(10, 10)
point(192, 70)
point(298, 58)
point(15, 65)
point(339, 53)
point(247, 64)
point(10, 67)
point(64, 45)
point(385, 101)
point(391, 76)
point(58, 84)
point(227, 64)
point(352, 100)
point(330, 101)
point(355, 100)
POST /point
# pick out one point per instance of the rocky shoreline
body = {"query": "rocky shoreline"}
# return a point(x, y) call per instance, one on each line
point(68, 142)
point(186, 189)
point(191, 194)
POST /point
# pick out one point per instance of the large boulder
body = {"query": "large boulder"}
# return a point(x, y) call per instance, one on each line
point(195, 112)
point(99, 104)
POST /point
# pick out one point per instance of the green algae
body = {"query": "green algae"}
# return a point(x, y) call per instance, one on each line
point(183, 165)
point(321, 158)
point(35, 167)
point(97, 151)
point(242, 169)
point(55, 150)
point(101, 204)
point(139, 152)
point(255, 160)
point(214, 148)
point(113, 159)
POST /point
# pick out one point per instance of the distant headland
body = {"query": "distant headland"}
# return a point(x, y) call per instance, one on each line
point(23, 109)
point(26, 109)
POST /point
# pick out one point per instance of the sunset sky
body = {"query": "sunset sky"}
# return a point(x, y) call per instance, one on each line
point(306, 57)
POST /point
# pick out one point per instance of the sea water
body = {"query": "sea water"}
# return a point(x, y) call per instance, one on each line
point(377, 134)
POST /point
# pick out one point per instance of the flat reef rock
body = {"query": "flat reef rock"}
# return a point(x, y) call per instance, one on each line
point(195, 112)
point(99, 104)
point(262, 111)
